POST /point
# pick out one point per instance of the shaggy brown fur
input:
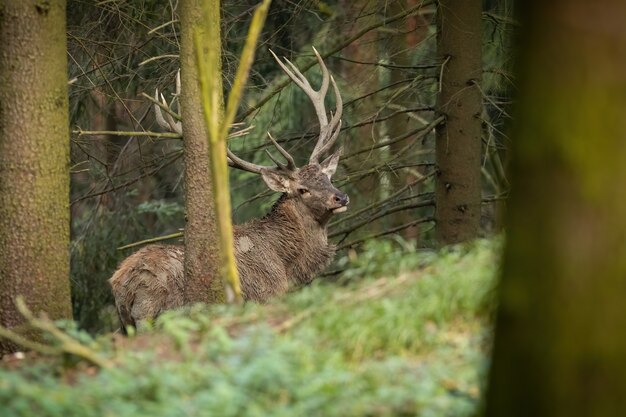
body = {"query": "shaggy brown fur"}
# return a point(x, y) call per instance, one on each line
point(283, 250)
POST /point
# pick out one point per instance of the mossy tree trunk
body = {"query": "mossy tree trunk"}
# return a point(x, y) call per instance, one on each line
point(560, 338)
point(201, 242)
point(219, 121)
point(210, 67)
point(34, 160)
point(458, 140)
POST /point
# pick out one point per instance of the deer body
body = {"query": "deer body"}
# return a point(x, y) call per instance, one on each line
point(284, 249)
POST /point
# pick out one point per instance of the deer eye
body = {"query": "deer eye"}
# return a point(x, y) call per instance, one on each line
point(303, 191)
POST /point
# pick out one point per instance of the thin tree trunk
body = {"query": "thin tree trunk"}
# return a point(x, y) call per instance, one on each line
point(561, 327)
point(458, 140)
point(363, 79)
point(411, 31)
point(34, 160)
point(213, 104)
point(201, 244)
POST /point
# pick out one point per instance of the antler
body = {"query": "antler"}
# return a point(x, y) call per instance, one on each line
point(328, 131)
point(165, 117)
point(236, 162)
point(168, 121)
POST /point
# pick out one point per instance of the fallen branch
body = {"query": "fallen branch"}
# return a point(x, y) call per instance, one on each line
point(67, 344)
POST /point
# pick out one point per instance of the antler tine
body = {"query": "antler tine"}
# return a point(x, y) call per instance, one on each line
point(328, 145)
point(330, 135)
point(236, 162)
point(166, 122)
point(279, 164)
point(178, 90)
point(338, 103)
point(325, 74)
point(328, 131)
point(316, 96)
point(291, 164)
point(298, 79)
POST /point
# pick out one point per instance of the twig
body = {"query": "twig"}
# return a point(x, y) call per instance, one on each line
point(67, 343)
point(419, 133)
point(391, 66)
point(152, 240)
point(441, 73)
point(387, 212)
point(155, 58)
point(81, 132)
point(28, 344)
point(129, 182)
point(387, 232)
point(377, 204)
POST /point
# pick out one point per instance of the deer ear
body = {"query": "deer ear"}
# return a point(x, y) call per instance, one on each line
point(275, 180)
point(329, 165)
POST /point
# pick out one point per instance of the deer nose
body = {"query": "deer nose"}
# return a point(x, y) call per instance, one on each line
point(341, 199)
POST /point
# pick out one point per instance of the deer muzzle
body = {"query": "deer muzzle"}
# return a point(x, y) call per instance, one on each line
point(342, 200)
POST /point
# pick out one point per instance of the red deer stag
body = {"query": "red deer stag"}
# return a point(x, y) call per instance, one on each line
point(283, 250)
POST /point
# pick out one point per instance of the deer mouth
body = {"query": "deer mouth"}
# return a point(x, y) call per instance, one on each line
point(342, 201)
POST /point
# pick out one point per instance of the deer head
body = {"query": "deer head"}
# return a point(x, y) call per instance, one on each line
point(310, 185)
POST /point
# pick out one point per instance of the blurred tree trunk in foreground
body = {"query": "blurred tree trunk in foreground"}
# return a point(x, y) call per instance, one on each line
point(202, 282)
point(458, 141)
point(560, 343)
point(34, 160)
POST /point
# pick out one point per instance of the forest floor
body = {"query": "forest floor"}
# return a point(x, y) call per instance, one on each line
point(399, 333)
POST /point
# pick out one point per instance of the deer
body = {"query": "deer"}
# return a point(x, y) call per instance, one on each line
point(281, 251)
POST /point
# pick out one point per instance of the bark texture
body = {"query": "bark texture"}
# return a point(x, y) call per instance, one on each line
point(34, 160)
point(458, 140)
point(362, 79)
point(560, 339)
point(411, 31)
point(201, 244)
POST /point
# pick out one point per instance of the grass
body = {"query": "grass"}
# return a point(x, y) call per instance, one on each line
point(401, 334)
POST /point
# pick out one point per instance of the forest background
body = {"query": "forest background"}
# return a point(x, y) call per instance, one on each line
point(427, 89)
point(127, 188)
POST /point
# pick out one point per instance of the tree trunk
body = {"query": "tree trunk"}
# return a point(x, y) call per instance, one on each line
point(363, 79)
point(411, 31)
point(34, 160)
point(210, 68)
point(201, 244)
point(560, 331)
point(458, 140)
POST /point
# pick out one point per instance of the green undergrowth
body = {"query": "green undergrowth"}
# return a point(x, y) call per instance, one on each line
point(401, 334)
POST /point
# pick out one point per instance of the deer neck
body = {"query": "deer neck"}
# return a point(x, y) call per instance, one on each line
point(297, 212)
point(296, 237)
point(304, 248)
